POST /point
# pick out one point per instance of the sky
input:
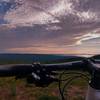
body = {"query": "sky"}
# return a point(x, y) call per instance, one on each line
point(50, 26)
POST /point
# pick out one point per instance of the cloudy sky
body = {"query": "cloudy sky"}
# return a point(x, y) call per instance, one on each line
point(50, 26)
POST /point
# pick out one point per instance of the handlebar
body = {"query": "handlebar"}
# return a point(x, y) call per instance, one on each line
point(44, 74)
point(25, 69)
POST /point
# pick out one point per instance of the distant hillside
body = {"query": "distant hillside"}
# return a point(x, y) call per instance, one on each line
point(29, 58)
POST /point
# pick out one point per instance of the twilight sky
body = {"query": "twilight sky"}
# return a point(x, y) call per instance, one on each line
point(50, 26)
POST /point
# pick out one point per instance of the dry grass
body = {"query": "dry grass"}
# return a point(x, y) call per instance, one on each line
point(20, 90)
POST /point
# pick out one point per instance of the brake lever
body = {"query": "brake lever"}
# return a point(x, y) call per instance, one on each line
point(41, 76)
point(41, 81)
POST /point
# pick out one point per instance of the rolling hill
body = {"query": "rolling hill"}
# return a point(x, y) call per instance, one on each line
point(29, 58)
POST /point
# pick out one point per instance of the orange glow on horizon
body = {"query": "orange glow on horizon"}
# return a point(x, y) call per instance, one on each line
point(43, 50)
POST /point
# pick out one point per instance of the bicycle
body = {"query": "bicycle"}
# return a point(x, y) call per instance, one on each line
point(45, 74)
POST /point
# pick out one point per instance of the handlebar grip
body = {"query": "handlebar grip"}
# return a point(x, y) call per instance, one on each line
point(14, 70)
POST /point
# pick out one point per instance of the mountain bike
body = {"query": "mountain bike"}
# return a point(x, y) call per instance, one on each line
point(44, 74)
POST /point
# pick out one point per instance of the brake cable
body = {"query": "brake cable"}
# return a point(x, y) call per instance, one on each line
point(69, 80)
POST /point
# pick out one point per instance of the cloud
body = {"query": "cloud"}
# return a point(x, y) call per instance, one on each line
point(48, 11)
point(49, 24)
point(4, 0)
point(87, 37)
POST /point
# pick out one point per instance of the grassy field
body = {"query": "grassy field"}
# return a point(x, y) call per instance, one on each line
point(11, 89)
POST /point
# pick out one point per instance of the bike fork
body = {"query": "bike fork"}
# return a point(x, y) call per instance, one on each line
point(92, 94)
